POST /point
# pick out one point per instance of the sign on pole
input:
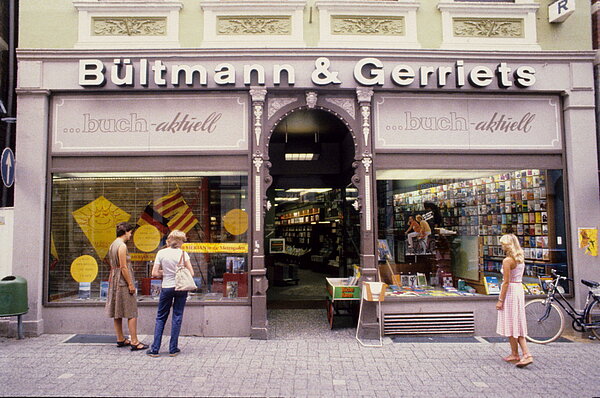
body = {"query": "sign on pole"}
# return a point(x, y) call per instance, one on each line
point(7, 166)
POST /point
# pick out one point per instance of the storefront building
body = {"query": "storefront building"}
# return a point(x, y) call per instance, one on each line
point(183, 114)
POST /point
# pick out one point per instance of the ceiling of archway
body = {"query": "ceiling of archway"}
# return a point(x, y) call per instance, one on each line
point(304, 124)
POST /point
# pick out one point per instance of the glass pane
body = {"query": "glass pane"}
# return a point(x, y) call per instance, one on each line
point(443, 227)
point(210, 208)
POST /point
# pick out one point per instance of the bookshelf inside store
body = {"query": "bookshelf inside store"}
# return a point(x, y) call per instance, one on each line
point(470, 215)
point(315, 230)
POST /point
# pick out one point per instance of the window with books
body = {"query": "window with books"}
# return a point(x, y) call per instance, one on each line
point(443, 228)
point(211, 208)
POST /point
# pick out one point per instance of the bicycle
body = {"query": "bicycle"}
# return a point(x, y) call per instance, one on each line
point(546, 321)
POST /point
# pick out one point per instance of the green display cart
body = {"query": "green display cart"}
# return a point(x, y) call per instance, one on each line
point(342, 299)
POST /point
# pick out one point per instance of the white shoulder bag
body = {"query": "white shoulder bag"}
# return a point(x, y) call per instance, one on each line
point(183, 277)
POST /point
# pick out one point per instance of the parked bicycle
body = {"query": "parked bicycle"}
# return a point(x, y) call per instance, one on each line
point(546, 321)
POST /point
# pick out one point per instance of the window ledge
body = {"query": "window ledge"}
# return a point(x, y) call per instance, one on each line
point(126, 24)
point(489, 26)
point(378, 24)
point(255, 24)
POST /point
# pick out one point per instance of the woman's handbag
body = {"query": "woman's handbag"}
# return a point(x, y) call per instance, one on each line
point(183, 278)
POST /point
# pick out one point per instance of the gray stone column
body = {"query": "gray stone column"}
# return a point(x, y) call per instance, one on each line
point(259, 181)
point(29, 248)
point(581, 172)
point(365, 180)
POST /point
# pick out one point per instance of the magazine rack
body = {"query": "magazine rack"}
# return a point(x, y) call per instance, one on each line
point(373, 292)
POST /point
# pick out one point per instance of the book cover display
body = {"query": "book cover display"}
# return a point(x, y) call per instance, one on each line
point(484, 209)
point(239, 288)
point(103, 290)
point(155, 288)
point(492, 286)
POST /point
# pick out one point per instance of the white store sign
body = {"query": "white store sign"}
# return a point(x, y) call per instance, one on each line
point(560, 10)
point(149, 123)
point(474, 122)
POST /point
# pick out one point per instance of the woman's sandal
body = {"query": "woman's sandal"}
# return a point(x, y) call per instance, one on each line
point(138, 347)
point(123, 343)
point(526, 360)
point(512, 359)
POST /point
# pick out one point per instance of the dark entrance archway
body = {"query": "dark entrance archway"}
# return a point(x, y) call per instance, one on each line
point(312, 221)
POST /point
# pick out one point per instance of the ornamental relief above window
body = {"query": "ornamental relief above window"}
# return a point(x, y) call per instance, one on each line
point(254, 25)
point(367, 25)
point(129, 26)
point(488, 27)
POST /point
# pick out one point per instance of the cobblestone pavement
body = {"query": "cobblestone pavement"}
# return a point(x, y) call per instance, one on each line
point(303, 358)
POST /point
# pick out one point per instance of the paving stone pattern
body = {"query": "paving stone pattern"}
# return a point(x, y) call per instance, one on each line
point(303, 358)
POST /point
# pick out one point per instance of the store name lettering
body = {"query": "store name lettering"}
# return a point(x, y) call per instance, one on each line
point(452, 122)
point(366, 72)
point(134, 124)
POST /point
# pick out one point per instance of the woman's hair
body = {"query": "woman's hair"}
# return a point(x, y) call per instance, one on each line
point(176, 239)
point(419, 217)
point(513, 247)
point(123, 228)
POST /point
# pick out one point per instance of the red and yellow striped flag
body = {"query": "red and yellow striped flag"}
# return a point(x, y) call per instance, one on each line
point(174, 207)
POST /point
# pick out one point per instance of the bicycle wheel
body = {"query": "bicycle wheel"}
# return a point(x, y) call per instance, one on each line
point(594, 316)
point(546, 330)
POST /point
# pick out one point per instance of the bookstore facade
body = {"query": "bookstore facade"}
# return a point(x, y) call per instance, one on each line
point(405, 166)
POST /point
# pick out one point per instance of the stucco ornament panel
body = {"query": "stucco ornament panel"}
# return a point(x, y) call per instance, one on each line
point(346, 104)
point(129, 26)
point(276, 104)
point(254, 25)
point(488, 27)
point(367, 25)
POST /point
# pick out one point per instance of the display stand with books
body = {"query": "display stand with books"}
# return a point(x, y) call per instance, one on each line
point(342, 298)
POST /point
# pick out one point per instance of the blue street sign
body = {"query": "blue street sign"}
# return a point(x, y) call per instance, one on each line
point(7, 166)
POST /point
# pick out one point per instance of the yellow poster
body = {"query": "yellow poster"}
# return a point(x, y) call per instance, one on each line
point(53, 251)
point(215, 247)
point(236, 221)
point(84, 269)
point(588, 240)
point(98, 220)
point(146, 238)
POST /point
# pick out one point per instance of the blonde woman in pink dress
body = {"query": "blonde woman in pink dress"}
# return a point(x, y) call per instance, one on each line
point(511, 302)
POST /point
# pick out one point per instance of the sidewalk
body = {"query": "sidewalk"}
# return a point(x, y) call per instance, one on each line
point(302, 359)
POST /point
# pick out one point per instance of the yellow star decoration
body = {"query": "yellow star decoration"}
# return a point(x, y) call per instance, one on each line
point(98, 221)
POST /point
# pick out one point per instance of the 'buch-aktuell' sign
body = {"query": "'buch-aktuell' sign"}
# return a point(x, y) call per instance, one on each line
point(123, 123)
point(405, 121)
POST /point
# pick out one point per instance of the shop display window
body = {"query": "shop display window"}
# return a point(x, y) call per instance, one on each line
point(467, 212)
point(85, 208)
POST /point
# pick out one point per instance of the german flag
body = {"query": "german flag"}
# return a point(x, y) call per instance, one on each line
point(173, 206)
point(152, 217)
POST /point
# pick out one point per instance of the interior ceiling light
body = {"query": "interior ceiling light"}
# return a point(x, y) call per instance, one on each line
point(300, 149)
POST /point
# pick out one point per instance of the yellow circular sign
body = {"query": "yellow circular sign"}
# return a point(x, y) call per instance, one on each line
point(84, 269)
point(236, 221)
point(146, 238)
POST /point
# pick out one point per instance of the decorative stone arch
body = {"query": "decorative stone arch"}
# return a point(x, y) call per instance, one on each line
point(355, 114)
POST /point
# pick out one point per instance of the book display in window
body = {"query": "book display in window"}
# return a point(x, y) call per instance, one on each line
point(485, 208)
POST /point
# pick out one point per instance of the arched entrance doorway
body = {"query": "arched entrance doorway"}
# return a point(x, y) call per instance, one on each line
point(312, 228)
